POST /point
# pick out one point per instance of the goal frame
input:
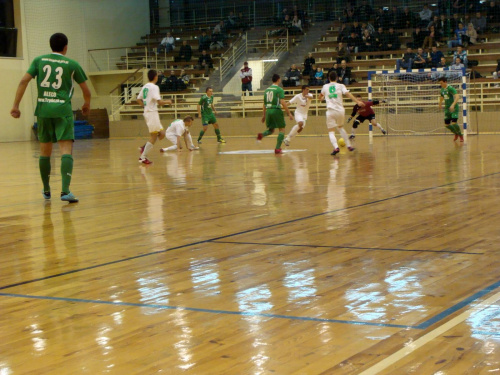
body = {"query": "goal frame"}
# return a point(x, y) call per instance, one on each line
point(409, 71)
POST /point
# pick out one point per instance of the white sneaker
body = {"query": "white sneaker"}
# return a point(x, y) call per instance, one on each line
point(286, 141)
point(193, 147)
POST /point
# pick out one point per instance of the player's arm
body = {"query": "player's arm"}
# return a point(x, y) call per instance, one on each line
point(140, 101)
point(441, 98)
point(199, 110)
point(86, 98)
point(455, 102)
point(21, 89)
point(263, 113)
point(179, 144)
point(321, 97)
point(283, 103)
point(354, 111)
point(353, 98)
point(213, 108)
point(164, 102)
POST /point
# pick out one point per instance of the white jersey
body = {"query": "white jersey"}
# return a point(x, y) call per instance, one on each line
point(333, 93)
point(150, 94)
point(177, 128)
point(303, 104)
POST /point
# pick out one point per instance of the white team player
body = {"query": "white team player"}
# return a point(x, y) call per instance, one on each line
point(303, 101)
point(150, 98)
point(176, 130)
point(335, 113)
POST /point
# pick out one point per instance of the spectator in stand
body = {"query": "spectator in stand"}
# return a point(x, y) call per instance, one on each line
point(231, 21)
point(443, 26)
point(455, 20)
point(474, 6)
point(344, 73)
point(296, 27)
point(367, 45)
point(356, 28)
point(392, 41)
point(308, 63)
point(292, 77)
point(342, 53)
point(219, 28)
point(162, 81)
point(334, 68)
point(458, 6)
point(348, 13)
point(343, 33)
point(185, 52)
point(435, 57)
point(203, 41)
point(381, 19)
point(185, 79)
point(243, 23)
point(493, 13)
point(393, 17)
point(421, 59)
point(379, 40)
point(461, 54)
point(319, 77)
point(407, 19)
point(167, 44)
point(472, 34)
point(172, 82)
point(431, 39)
point(479, 23)
point(496, 73)
point(367, 26)
point(311, 75)
point(459, 34)
point(425, 16)
point(407, 61)
point(364, 11)
point(443, 63)
point(205, 62)
point(418, 38)
point(287, 22)
point(246, 79)
point(353, 43)
point(457, 65)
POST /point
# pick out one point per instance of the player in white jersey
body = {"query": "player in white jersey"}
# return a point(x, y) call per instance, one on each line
point(303, 102)
point(333, 92)
point(150, 98)
point(176, 130)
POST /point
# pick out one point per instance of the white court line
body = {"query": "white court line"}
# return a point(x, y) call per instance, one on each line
point(382, 365)
point(255, 152)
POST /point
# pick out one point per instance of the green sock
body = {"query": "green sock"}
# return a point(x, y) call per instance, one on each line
point(451, 129)
point(266, 133)
point(281, 136)
point(217, 131)
point(44, 164)
point(66, 171)
point(457, 129)
point(201, 135)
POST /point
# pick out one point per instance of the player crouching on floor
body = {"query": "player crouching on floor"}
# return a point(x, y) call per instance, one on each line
point(364, 113)
point(176, 130)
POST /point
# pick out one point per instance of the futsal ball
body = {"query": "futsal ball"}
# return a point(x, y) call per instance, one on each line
point(341, 142)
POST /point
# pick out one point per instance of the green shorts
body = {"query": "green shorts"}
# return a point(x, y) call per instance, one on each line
point(451, 115)
point(56, 129)
point(208, 119)
point(275, 119)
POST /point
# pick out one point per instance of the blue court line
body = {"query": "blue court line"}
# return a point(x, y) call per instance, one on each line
point(227, 312)
point(486, 333)
point(458, 306)
point(347, 247)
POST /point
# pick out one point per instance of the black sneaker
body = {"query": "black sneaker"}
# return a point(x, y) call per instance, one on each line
point(335, 151)
point(351, 148)
point(384, 132)
point(352, 136)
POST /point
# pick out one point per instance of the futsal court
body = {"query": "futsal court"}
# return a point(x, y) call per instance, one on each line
point(233, 260)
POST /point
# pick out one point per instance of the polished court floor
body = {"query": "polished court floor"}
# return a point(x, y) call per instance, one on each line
point(228, 260)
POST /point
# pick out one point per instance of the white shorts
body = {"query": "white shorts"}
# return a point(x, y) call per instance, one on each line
point(171, 137)
point(299, 117)
point(334, 118)
point(153, 122)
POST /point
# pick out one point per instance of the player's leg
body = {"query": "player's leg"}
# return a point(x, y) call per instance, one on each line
point(281, 137)
point(279, 122)
point(456, 127)
point(46, 136)
point(65, 134)
point(331, 124)
point(343, 133)
point(297, 128)
point(202, 131)
point(149, 145)
point(355, 125)
point(217, 131)
point(377, 125)
point(270, 124)
point(172, 138)
point(447, 124)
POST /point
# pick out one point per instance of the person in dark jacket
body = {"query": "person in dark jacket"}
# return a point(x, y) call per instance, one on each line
point(392, 40)
point(185, 52)
point(308, 63)
point(344, 73)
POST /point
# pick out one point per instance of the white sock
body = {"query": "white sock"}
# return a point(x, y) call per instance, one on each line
point(147, 148)
point(343, 133)
point(353, 132)
point(333, 139)
point(171, 148)
point(293, 132)
point(378, 126)
point(190, 140)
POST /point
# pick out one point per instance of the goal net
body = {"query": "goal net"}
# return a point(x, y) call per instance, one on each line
point(412, 100)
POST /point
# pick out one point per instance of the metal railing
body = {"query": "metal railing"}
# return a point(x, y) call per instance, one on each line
point(232, 55)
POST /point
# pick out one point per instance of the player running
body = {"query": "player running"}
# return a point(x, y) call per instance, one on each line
point(54, 78)
point(303, 101)
point(364, 113)
point(150, 98)
point(206, 112)
point(335, 112)
point(274, 99)
point(450, 96)
point(176, 130)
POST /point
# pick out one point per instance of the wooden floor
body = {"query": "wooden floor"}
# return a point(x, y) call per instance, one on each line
point(381, 261)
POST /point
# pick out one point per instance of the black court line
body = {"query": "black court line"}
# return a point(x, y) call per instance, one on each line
point(347, 247)
point(247, 231)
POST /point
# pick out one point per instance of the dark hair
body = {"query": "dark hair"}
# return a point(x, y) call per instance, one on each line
point(188, 118)
point(152, 74)
point(58, 41)
point(208, 88)
point(332, 76)
point(305, 87)
point(276, 77)
point(443, 79)
point(358, 96)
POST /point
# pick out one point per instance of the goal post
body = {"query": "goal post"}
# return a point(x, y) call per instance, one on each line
point(411, 99)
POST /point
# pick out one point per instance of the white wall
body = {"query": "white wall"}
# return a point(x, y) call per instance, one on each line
point(234, 84)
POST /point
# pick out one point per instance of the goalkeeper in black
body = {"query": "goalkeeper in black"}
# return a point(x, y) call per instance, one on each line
point(364, 113)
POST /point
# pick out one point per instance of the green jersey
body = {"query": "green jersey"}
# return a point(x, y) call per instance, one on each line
point(54, 76)
point(448, 94)
point(273, 96)
point(206, 104)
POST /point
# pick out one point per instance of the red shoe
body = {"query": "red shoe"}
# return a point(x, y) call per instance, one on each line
point(141, 149)
point(455, 138)
point(278, 151)
point(145, 161)
point(461, 138)
point(351, 148)
point(260, 136)
point(335, 151)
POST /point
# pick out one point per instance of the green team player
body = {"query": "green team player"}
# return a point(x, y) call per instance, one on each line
point(274, 100)
point(54, 76)
point(450, 96)
point(207, 112)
